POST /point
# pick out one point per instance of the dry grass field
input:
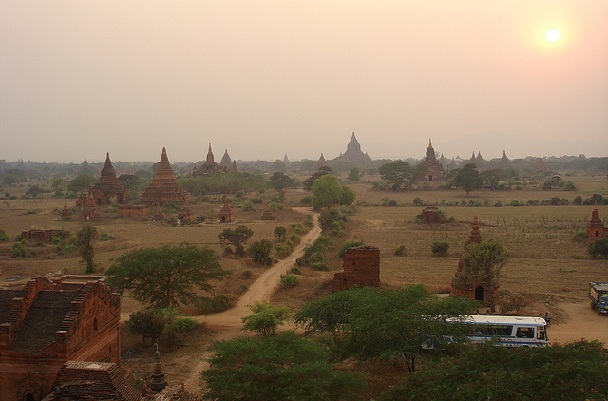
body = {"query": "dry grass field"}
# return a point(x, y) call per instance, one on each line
point(545, 264)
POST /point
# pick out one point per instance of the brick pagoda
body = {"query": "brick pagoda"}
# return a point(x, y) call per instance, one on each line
point(108, 189)
point(164, 187)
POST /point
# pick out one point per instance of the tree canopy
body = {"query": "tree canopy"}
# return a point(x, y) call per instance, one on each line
point(279, 181)
point(397, 174)
point(467, 178)
point(570, 372)
point(384, 324)
point(276, 368)
point(327, 191)
point(484, 262)
point(237, 237)
point(265, 318)
point(167, 275)
point(85, 238)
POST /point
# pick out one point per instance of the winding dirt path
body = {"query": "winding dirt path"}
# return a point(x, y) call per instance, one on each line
point(228, 324)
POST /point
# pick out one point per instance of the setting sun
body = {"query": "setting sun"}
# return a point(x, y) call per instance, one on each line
point(552, 35)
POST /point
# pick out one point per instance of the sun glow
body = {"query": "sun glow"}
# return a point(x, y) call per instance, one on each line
point(552, 35)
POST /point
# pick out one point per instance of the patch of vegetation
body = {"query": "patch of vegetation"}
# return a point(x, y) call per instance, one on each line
point(440, 248)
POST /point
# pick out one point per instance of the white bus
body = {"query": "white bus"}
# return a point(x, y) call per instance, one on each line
point(507, 331)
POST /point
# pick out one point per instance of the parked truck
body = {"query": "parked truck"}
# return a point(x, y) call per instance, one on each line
point(598, 292)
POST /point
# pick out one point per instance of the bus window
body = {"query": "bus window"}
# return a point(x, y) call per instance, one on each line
point(525, 332)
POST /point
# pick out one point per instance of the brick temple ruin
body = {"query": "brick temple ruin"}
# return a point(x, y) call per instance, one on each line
point(164, 187)
point(430, 168)
point(595, 227)
point(462, 285)
point(48, 322)
point(108, 189)
point(361, 268)
point(211, 167)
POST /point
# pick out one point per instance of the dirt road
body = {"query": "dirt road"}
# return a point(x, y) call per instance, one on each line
point(581, 322)
point(228, 324)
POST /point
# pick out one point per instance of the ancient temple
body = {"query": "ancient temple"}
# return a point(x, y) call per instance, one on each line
point(210, 166)
point(354, 155)
point(462, 284)
point(108, 189)
point(505, 163)
point(431, 169)
point(225, 215)
point(595, 228)
point(87, 205)
point(164, 187)
point(361, 268)
point(46, 323)
point(321, 162)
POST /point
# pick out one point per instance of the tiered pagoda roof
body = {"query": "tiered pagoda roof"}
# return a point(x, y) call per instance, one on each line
point(108, 189)
point(164, 187)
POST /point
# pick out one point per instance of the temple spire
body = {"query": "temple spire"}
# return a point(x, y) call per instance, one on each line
point(157, 381)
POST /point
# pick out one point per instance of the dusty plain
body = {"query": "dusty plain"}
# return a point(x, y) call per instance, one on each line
point(545, 264)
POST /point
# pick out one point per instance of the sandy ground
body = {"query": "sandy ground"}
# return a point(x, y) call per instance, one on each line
point(581, 322)
point(228, 324)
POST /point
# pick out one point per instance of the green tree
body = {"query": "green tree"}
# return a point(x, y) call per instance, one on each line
point(280, 232)
point(35, 190)
point(81, 182)
point(167, 275)
point(280, 181)
point(467, 178)
point(384, 324)
point(323, 170)
point(328, 217)
point(260, 252)
point(237, 237)
point(85, 238)
point(148, 323)
point(276, 368)
point(58, 185)
point(266, 318)
point(569, 372)
point(484, 262)
point(354, 175)
point(397, 174)
point(598, 248)
point(327, 191)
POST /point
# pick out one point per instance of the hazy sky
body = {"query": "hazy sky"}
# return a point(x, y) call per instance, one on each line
point(264, 78)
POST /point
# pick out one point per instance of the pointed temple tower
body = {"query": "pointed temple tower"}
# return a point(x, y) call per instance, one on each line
point(430, 168)
point(354, 155)
point(108, 189)
point(595, 228)
point(505, 163)
point(210, 166)
point(225, 215)
point(157, 382)
point(164, 186)
point(462, 284)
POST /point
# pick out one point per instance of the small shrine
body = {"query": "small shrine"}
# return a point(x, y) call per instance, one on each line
point(595, 228)
point(267, 215)
point(184, 213)
point(361, 268)
point(225, 215)
point(87, 205)
point(108, 189)
point(462, 284)
point(164, 187)
point(66, 213)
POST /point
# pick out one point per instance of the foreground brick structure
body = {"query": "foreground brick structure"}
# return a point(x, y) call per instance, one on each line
point(361, 268)
point(477, 290)
point(45, 323)
point(595, 228)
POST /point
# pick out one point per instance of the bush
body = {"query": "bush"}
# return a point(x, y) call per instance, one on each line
point(185, 325)
point(259, 252)
point(18, 249)
point(418, 202)
point(217, 304)
point(3, 236)
point(349, 245)
point(295, 270)
point(399, 250)
point(599, 248)
point(289, 281)
point(440, 248)
point(320, 265)
point(580, 237)
point(512, 302)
